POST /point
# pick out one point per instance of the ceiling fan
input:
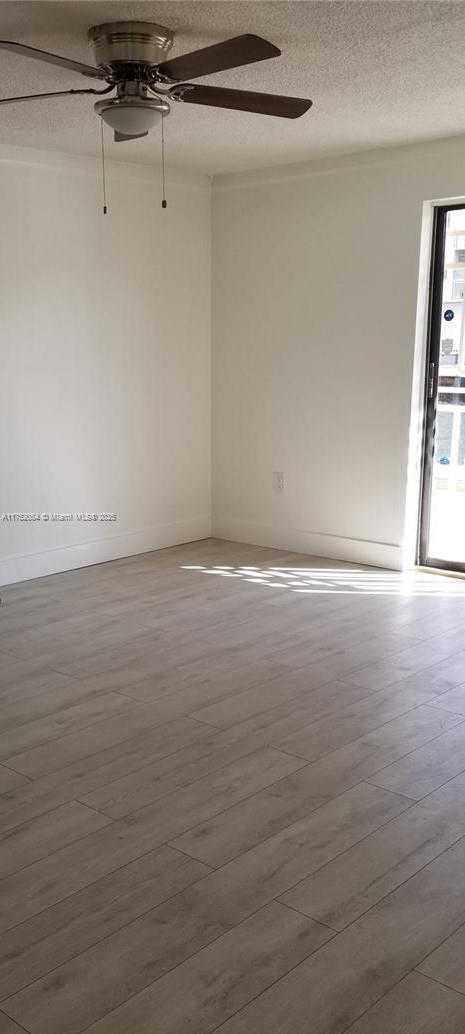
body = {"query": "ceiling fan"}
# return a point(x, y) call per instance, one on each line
point(131, 58)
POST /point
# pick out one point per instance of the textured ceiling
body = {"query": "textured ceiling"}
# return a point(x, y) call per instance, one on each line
point(378, 72)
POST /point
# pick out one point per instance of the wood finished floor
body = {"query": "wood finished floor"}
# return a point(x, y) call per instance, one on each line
point(232, 798)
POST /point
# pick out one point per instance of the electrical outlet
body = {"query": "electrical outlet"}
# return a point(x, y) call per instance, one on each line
point(278, 482)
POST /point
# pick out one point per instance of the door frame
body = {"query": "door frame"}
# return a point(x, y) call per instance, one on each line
point(431, 379)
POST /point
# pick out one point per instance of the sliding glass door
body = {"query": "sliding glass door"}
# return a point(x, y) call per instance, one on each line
point(442, 525)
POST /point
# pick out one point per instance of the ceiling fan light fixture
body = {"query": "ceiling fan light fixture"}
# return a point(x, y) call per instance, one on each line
point(132, 116)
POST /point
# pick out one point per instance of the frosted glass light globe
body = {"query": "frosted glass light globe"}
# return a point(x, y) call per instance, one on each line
point(130, 118)
point(132, 115)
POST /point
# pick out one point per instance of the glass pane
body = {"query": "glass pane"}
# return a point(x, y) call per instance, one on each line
point(462, 440)
point(443, 447)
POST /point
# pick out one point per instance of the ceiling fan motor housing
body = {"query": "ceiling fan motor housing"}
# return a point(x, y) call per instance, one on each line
point(130, 43)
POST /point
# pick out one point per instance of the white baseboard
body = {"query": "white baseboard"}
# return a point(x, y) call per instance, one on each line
point(358, 551)
point(98, 551)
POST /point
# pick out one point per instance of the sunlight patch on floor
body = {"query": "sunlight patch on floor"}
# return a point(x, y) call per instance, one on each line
point(338, 581)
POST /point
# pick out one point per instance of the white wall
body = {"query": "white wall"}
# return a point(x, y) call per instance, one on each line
point(105, 356)
point(104, 360)
point(315, 282)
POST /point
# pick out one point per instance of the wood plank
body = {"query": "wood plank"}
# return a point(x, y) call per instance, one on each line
point(16, 712)
point(197, 683)
point(152, 782)
point(345, 977)
point(395, 739)
point(197, 995)
point(260, 816)
point(81, 715)
point(8, 1027)
point(426, 768)
point(355, 881)
point(268, 870)
point(93, 739)
point(406, 662)
point(10, 780)
point(177, 743)
point(70, 869)
point(217, 790)
point(416, 1005)
point(239, 706)
point(453, 700)
point(350, 723)
point(35, 839)
point(50, 938)
point(446, 963)
point(27, 677)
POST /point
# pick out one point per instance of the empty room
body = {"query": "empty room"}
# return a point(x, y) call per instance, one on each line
point(232, 517)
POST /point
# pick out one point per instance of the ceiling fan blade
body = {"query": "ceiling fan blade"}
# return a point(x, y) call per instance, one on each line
point(242, 50)
point(42, 96)
point(52, 59)
point(120, 137)
point(242, 100)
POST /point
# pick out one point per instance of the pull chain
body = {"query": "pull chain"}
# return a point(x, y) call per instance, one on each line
point(163, 203)
point(103, 170)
